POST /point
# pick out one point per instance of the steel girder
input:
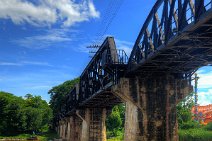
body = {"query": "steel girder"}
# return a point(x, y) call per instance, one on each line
point(104, 70)
point(167, 22)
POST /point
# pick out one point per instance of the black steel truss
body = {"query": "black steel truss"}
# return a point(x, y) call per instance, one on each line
point(173, 31)
point(176, 37)
point(103, 71)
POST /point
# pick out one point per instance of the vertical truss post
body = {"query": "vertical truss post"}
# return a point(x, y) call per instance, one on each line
point(199, 9)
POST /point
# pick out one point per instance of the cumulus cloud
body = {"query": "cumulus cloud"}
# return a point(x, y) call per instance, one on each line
point(205, 78)
point(47, 12)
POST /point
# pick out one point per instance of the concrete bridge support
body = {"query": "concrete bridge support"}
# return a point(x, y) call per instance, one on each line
point(86, 125)
point(94, 127)
point(151, 106)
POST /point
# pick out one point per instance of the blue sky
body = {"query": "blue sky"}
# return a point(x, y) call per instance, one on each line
point(43, 42)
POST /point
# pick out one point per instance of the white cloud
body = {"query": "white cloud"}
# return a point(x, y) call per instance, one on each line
point(9, 64)
point(205, 98)
point(205, 79)
point(125, 45)
point(22, 63)
point(36, 63)
point(45, 40)
point(205, 85)
point(47, 12)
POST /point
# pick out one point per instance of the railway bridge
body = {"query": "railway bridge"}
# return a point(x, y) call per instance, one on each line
point(174, 41)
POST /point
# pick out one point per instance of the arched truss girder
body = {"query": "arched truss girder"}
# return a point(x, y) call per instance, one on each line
point(167, 20)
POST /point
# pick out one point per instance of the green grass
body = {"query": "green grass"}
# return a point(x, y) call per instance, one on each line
point(197, 134)
point(42, 137)
point(48, 136)
point(119, 138)
point(116, 135)
point(20, 136)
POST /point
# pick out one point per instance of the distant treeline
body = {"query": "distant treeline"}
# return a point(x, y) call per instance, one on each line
point(23, 115)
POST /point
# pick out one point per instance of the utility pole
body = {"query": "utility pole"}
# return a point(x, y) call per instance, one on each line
point(196, 98)
point(93, 49)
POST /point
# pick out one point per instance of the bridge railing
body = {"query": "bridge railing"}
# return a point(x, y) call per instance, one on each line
point(167, 19)
point(120, 58)
point(104, 70)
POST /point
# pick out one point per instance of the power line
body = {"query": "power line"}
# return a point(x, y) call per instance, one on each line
point(108, 17)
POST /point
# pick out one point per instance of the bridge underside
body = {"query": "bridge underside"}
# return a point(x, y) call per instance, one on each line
point(104, 99)
point(185, 52)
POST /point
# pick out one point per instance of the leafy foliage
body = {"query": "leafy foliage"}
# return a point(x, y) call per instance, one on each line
point(184, 114)
point(208, 126)
point(20, 115)
point(115, 121)
point(58, 93)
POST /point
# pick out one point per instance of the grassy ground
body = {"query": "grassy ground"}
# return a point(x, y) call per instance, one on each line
point(184, 135)
point(197, 134)
point(41, 137)
point(119, 138)
point(21, 136)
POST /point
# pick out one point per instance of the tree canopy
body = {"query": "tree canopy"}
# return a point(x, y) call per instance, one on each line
point(58, 93)
point(22, 115)
point(184, 114)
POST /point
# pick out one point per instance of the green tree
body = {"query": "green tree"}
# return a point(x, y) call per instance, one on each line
point(58, 93)
point(184, 114)
point(20, 115)
point(114, 121)
point(12, 118)
point(38, 113)
point(33, 119)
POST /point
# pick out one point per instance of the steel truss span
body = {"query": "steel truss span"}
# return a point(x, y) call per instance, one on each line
point(176, 37)
point(102, 72)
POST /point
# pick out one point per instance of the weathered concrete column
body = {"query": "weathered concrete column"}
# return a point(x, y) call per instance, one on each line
point(104, 116)
point(85, 126)
point(71, 127)
point(93, 124)
point(60, 129)
point(75, 128)
point(64, 129)
point(131, 122)
point(68, 129)
point(151, 106)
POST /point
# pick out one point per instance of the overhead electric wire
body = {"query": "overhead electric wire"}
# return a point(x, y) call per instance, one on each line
point(108, 17)
point(113, 10)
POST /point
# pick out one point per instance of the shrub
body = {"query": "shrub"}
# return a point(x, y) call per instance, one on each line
point(208, 126)
point(190, 124)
